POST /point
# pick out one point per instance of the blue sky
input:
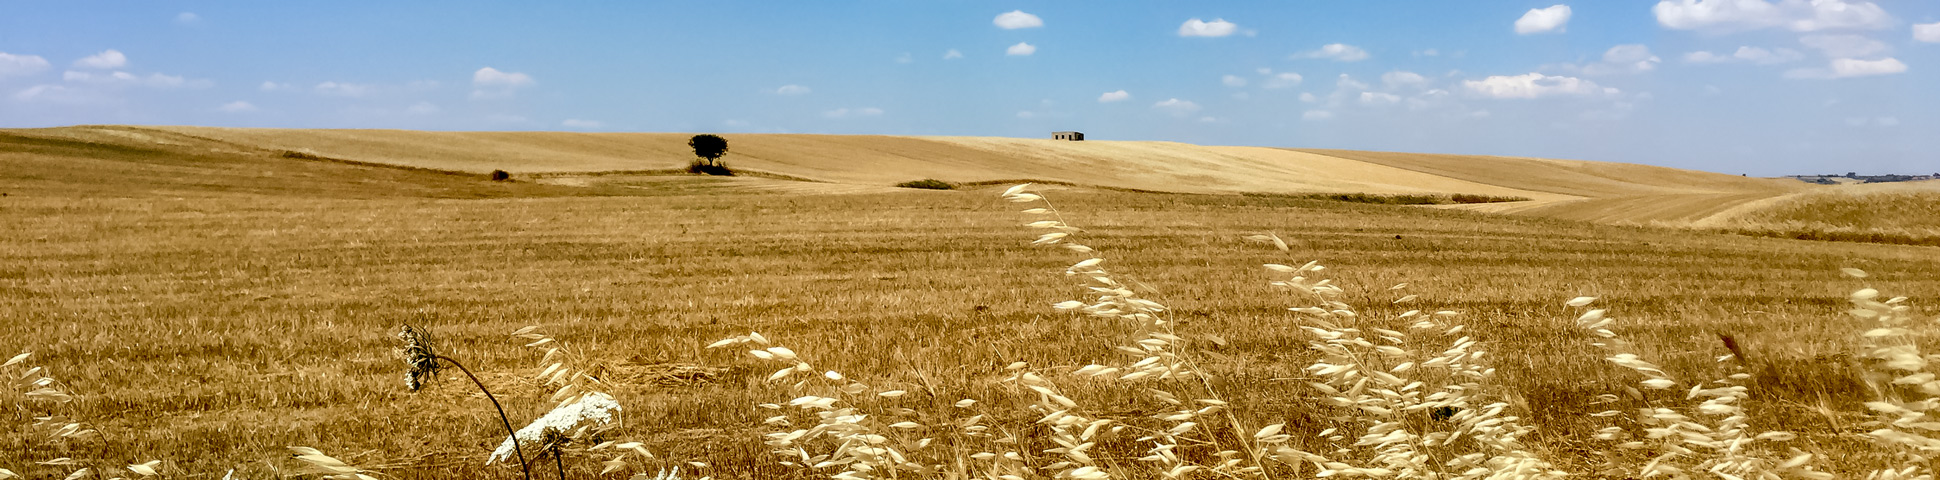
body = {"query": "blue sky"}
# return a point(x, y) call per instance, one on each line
point(1765, 87)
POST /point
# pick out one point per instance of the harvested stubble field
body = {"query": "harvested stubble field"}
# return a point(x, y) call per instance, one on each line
point(208, 311)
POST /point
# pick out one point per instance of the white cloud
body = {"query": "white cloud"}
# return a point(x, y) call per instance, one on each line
point(1316, 115)
point(1216, 28)
point(1339, 52)
point(1020, 49)
point(490, 82)
point(790, 89)
point(1378, 98)
point(1428, 53)
point(905, 58)
point(1401, 78)
point(1849, 68)
point(1208, 119)
point(238, 106)
point(1177, 107)
point(422, 108)
point(953, 54)
point(1747, 54)
point(1535, 85)
point(1109, 97)
point(578, 123)
point(1026, 114)
point(1233, 81)
point(853, 112)
point(505, 118)
point(1016, 19)
point(20, 65)
point(187, 18)
point(1887, 121)
point(104, 60)
point(269, 86)
point(119, 78)
point(342, 89)
point(1283, 80)
point(1308, 97)
point(1632, 58)
point(1556, 18)
point(1794, 15)
point(58, 94)
point(1346, 82)
point(1844, 46)
point(1927, 32)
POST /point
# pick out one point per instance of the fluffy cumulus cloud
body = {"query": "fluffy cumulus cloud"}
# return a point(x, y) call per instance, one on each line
point(490, 82)
point(1401, 79)
point(1747, 54)
point(581, 124)
point(1631, 58)
point(102, 61)
point(1233, 81)
point(1109, 97)
point(1217, 28)
point(1544, 20)
point(953, 54)
point(1927, 32)
point(1016, 19)
point(21, 65)
point(1339, 52)
point(238, 106)
point(853, 112)
point(1794, 15)
point(1021, 49)
point(1283, 80)
point(1176, 107)
point(1844, 46)
point(1535, 85)
point(790, 89)
point(1378, 98)
point(1849, 68)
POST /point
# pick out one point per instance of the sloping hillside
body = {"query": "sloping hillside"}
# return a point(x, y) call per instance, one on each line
point(343, 160)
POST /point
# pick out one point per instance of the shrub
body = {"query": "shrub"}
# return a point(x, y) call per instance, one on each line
point(928, 183)
point(699, 168)
point(501, 176)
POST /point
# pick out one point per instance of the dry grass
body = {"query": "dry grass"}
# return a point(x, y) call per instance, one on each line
point(210, 318)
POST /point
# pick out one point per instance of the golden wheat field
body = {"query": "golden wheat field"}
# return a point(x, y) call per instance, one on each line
point(208, 300)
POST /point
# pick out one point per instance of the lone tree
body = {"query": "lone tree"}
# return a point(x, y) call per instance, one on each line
point(709, 149)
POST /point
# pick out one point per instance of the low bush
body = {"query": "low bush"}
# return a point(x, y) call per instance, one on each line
point(928, 184)
point(501, 176)
point(698, 168)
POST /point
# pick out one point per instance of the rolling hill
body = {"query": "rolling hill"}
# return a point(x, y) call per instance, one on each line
point(125, 158)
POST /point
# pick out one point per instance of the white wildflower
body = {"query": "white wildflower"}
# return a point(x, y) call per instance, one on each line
point(594, 410)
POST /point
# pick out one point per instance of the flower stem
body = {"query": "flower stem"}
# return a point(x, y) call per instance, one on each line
point(509, 432)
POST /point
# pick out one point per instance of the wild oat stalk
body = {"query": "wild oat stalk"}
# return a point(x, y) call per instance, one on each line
point(328, 467)
point(865, 445)
point(1908, 403)
point(37, 385)
point(583, 413)
point(1156, 353)
point(1415, 404)
point(1725, 447)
